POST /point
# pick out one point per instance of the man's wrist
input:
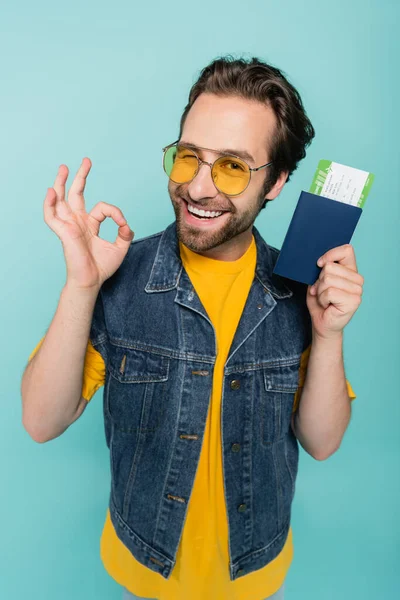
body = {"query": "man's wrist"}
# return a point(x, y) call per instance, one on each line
point(333, 338)
point(332, 346)
point(71, 288)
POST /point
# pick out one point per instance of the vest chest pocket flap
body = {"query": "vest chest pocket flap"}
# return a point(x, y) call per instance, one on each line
point(136, 392)
point(280, 386)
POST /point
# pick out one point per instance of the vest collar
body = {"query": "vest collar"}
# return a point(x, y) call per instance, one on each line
point(167, 266)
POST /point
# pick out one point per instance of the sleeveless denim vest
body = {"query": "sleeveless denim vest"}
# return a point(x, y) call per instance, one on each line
point(159, 347)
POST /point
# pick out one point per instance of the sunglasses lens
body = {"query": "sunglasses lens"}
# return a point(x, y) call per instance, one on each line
point(180, 164)
point(230, 175)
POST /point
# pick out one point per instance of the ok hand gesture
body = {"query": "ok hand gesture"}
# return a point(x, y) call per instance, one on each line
point(90, 260)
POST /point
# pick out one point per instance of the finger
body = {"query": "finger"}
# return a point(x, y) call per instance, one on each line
point(343, 301)
point(50, 213)
point(344, 255)
point(340, 283)
point(75, 194)
point(59, 183)
point(102, 210)
point(338, 270)
point(124, 237)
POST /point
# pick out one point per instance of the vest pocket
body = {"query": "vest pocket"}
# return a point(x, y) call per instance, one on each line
point(280, 385)
point(137, 388)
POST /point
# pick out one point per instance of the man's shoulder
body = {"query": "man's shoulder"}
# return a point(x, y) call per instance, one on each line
point(274, 251)
point(297, 287)
point(261, 241)
point(147, 240)
point(138, 259)
point(145, 246)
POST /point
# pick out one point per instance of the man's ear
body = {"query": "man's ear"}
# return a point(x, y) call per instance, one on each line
point(277, 187)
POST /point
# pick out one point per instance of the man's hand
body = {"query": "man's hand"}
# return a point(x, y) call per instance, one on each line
point(336, 295)
point(90, 260)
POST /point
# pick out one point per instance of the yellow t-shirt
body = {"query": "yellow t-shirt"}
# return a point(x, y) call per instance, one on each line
point(201, 569)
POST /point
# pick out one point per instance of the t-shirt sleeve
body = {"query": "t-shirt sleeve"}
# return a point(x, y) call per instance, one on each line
point(93, 370)
point(302, 376)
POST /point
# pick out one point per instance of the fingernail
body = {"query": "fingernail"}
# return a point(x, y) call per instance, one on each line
point(320, 262)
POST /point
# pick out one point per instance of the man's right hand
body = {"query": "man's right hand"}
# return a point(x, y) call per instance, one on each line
point(90, 260)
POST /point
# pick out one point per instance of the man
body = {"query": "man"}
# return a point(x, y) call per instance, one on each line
point(214, 368)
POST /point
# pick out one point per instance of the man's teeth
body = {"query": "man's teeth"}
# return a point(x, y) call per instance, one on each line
point(203, 213)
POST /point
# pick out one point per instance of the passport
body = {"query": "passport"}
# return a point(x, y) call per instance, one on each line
point(318, 224)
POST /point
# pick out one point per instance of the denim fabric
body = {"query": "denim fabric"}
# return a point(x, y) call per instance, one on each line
point(126, 595)
point(159, 348)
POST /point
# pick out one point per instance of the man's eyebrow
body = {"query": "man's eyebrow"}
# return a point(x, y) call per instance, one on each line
point(223, 152)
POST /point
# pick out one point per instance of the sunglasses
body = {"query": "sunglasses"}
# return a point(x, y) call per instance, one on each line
point(231, 174)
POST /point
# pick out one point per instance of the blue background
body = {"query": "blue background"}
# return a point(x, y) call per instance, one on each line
point(109, 81)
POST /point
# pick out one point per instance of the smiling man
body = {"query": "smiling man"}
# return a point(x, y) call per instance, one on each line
point(214, 368)
point(212, 124)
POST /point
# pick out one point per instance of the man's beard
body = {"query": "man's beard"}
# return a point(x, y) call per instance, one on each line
point(200, 239)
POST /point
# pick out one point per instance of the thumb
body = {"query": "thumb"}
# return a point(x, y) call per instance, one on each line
point(124, 237)
point(311, 299)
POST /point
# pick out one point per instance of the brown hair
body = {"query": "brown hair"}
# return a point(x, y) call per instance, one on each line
point(256, 80)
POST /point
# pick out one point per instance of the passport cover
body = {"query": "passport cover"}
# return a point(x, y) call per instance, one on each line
point(318, 225)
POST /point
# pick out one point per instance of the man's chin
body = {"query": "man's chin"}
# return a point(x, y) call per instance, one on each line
point(201, 240)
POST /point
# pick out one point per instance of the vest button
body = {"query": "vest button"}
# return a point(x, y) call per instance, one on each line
point(240, 572)
point(235, 384)
point(235, 447)
point(242, 507)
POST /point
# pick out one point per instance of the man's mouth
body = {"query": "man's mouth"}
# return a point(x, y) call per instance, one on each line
point(201, 214)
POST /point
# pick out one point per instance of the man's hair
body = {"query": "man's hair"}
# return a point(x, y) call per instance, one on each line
point(253, 79)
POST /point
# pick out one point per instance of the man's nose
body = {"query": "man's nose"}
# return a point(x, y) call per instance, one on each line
point(202, 185)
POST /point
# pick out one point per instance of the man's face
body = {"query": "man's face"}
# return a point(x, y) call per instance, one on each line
point(221, 123)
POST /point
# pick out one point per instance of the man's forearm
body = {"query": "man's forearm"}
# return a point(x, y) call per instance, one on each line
point(52, 382)
point(325, 407)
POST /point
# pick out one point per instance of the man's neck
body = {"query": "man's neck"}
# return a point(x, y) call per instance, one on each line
point(231, 250)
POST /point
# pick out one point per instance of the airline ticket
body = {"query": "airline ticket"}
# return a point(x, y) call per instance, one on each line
point(341, 183)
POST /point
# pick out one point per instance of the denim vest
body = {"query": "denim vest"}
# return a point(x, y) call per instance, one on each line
point(159, 347)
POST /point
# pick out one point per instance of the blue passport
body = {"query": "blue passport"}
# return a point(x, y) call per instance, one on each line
point(318, 225)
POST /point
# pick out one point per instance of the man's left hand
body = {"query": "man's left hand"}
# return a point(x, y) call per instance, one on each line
point(336, 295)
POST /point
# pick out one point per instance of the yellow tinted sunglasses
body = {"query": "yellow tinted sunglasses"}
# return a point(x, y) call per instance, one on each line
point(231, 174)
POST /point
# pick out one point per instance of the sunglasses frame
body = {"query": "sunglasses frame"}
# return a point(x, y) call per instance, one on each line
point(200, 162)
